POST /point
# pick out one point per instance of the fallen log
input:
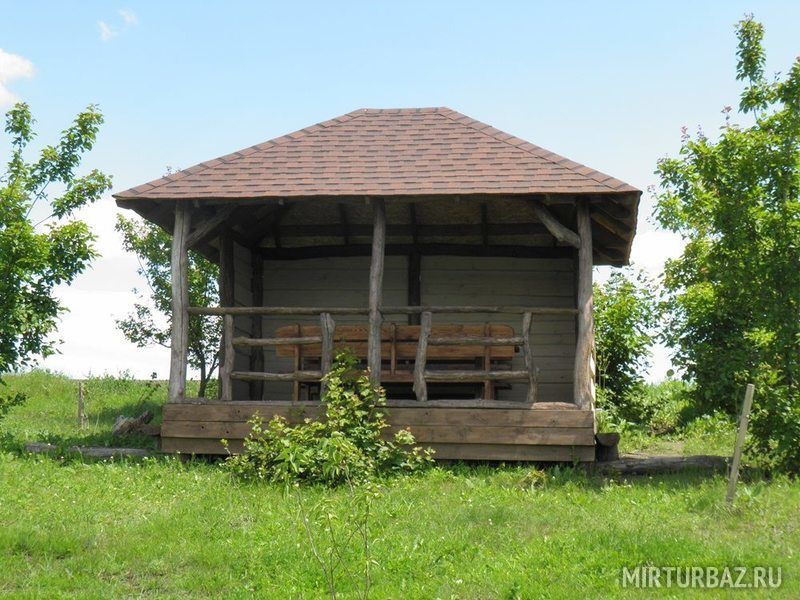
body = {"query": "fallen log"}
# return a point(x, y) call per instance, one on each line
point(654, 465)
point(128, 425)
point(91, 452)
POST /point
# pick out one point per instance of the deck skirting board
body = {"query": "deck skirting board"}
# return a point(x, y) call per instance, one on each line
point(515, 434)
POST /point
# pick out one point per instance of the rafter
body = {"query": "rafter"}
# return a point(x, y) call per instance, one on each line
point(560, 232)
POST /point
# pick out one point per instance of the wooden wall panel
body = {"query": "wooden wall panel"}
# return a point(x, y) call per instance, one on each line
point(455, 433)
point(445, 280)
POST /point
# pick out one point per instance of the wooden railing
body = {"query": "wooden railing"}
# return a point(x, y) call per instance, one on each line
point(422, 375)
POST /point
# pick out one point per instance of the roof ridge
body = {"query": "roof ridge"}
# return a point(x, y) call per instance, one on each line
point(544, 154)
point(269, 144)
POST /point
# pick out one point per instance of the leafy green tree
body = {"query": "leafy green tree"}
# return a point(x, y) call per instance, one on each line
point(149, 323)
point(625, 315)
point(42, 245)
point(734, 294)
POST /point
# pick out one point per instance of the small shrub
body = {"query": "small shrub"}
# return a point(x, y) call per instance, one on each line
point(654, 408)
point(9, 401)
point(346, 446)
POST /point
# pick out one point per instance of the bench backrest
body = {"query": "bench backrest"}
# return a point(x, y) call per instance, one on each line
point(402, 339)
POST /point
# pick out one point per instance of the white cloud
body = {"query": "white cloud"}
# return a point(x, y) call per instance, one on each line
point(651, 249)
point(129, 16)
point(90, 340)
point(12, 67)
point(107, 33)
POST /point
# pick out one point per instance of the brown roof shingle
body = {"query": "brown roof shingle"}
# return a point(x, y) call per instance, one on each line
point(384, 152)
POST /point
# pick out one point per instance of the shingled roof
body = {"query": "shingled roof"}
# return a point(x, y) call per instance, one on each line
point(388, 152)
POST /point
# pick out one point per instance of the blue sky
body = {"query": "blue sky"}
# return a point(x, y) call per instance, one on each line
point(608, 84)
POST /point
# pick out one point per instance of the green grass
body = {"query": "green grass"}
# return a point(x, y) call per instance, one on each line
point(165, 528)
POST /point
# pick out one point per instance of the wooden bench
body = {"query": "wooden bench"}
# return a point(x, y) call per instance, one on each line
point(399, 349)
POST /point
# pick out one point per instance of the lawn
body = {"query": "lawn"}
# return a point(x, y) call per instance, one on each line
point(167, 528)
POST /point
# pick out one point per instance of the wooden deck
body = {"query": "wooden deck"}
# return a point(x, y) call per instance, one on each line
point(456, 430)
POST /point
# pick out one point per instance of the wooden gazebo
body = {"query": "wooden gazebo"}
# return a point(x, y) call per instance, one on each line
point(454, 259)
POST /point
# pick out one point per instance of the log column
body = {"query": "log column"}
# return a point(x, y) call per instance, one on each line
point(584, 392)
point(179, 343)
point(225, 299)
point(257, 322)
point(414, 285)
point(376, 291)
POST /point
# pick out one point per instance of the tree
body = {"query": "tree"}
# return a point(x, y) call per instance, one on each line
point(734, 294)
point(42, 245)
point(625, 315)
point(152, 245)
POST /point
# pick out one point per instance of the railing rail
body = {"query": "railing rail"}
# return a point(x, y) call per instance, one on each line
point(421, 374)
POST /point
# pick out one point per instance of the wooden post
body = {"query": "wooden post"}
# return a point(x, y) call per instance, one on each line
point(256, 322)
point(228, 357)
point(376, 291)
point(488, 384)
point(327, 329)
point(530, 366)
point(81, 406)
point(226, 272)
point(414, 285)
point(420, 385)
point(179, 343)
point(740, 436)
point(583, 376)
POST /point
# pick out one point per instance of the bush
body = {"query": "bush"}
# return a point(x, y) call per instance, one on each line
point(9, 401)
point(625, 314)
point(346, 446)
point(658, 408)
point(732, 296)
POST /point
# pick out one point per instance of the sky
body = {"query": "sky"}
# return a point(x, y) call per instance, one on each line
point(607, 84)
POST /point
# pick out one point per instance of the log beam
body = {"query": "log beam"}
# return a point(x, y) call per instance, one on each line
point(328, 251)
point(584, 392)
point(210, 226)
point(179, 343)
point(376, 291)
point(560, 232)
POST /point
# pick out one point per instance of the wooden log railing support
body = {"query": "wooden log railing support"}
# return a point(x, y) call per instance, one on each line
point(226, 291)
point(297, 359)
point(583, 376)
point(530, 366)
point(296, 376)
point(471, 340)
point(420, 385)
point(488, 384)
point(475, 376)
point(179, 340)
point(281, 341)
point(327, 328)
point(228, 358)
point(376, 291)
point(257, 358)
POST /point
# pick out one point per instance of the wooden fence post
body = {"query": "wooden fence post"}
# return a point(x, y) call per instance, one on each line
point(376, 291)
point(81, 406)
point(179, 342)
point(740, 436)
